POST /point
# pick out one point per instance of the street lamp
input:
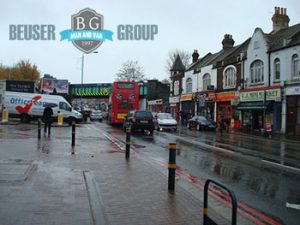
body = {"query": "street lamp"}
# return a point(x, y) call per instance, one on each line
point(82, 66)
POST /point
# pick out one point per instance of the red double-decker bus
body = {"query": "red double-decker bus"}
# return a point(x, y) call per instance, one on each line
point(123, 98)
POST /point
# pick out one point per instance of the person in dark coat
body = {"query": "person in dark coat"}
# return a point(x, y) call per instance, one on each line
point(47, 119)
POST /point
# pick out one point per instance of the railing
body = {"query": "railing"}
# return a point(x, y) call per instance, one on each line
point(206, 219)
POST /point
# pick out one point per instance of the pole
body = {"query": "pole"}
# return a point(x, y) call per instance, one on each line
point(128, 142)
point(82, 64)
point(73, 137)
point(39, 128)
point(172, 166)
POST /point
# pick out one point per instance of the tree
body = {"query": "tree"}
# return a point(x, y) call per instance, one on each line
point(184, 56)
point(23, 70)
point(165, 81)
point(131, 71)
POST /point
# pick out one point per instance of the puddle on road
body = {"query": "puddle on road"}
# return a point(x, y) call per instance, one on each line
point(139, 146)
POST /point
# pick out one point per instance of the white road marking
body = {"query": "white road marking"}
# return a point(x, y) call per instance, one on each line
point(293, 206)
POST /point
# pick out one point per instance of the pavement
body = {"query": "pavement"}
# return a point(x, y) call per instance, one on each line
point(42, 182)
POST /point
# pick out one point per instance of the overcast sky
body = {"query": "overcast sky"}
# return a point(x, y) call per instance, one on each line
point(186, 25)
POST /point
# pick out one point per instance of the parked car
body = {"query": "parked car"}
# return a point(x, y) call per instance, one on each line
point(165, 121)
point(139, 120)
point(201, 123)
point(96, 115)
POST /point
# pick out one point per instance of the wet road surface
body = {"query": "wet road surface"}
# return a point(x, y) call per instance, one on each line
point(241, 163)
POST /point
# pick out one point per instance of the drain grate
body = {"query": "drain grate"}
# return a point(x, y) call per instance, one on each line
point(16, 170)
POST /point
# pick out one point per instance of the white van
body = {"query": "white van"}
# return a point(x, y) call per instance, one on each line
point(31, 105)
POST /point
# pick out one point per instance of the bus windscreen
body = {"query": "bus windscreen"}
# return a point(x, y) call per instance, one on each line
point(125, 86)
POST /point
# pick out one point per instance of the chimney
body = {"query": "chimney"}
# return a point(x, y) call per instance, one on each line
point(227, 42)
point(195, 55)
point(280, 19)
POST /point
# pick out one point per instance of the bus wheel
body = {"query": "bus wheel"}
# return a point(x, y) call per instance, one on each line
point(25, 118)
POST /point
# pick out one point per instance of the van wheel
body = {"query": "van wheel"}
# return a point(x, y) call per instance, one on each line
point(25, 118)
point(70, 121)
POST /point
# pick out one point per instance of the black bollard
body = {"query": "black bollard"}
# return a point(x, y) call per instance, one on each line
point(128, 132)
point(172, 166)
point(73, 136)
point(39, 128)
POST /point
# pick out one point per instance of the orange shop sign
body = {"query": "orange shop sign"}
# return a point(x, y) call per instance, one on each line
point(186, 97)
point(225, 96)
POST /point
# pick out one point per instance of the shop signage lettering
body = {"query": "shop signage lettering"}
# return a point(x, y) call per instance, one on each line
point(186, 97)
point(293, 90)
point(174, 99)
point(271, 95)
point(225, 96)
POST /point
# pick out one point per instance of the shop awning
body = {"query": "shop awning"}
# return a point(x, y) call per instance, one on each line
point(253, 105)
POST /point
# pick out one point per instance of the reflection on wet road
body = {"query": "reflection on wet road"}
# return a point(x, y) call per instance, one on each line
point(238, 161)
point(240, 166)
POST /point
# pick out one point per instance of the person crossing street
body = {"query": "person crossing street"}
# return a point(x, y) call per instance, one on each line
point(47, 119)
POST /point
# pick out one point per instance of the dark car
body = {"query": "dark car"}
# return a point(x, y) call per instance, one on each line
point(139, 120)
point(201, 123)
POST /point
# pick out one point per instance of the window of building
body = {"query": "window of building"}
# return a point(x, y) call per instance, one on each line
point(229, 77)
point(256, 45)
point(189, 85)
point(277, 69)
point(257, 72)
point(206, 81)
point(295, 66)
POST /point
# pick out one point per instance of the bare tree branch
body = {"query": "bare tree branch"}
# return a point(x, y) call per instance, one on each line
point(131, 71)
point(184, 56)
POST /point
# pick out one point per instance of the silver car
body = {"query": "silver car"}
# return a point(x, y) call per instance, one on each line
point(165, 121)
point(96, 115)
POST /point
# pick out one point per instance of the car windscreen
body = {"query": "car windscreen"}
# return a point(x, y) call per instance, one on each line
point(201, 118)
point(143, 114)
point(164, 116)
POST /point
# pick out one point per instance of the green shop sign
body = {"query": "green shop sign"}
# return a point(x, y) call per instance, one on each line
point(271, 95)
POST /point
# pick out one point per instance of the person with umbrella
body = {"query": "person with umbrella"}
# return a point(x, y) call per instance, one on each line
point(47, 117)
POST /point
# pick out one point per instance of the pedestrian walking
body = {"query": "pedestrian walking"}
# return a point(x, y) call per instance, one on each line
point(47, 119)
point(222, 124)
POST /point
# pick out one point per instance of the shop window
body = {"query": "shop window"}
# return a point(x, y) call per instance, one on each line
point(206, 81)
point(298, 110)
point(295, 66)
point(229, 77)
point(291, 101)
point(257, 72)
point(189, 85)
point(277, 69)
point(298, 115)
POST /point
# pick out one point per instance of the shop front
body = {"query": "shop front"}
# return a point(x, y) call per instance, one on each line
point(293, 111)
point(226, 108)
point(261, 108)
point(204, 103)
point(155, 105)
point(187, 104)
point(174, 106)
